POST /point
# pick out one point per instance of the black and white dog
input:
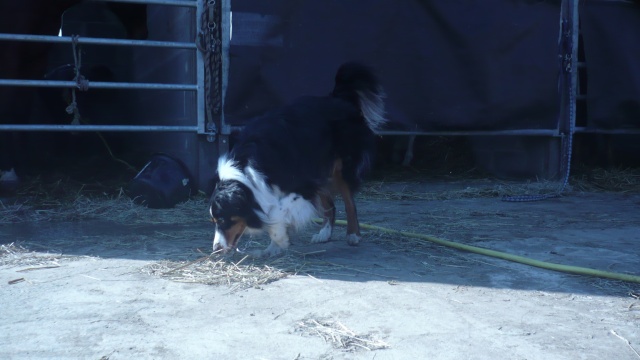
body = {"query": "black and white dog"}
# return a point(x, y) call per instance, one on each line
point(288, 164)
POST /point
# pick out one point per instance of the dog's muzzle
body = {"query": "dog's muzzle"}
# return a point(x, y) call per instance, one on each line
point(225, 241)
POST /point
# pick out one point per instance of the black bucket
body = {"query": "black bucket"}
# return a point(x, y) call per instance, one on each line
point(162, 183)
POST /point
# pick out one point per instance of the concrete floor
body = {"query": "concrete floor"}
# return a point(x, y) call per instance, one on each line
point(425, 301)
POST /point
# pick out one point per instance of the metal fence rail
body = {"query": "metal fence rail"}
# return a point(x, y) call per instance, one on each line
point(102, 128)
point(96, 41)
point(522, 132)
point(99, 85)
point(519, 132)
point(186, 3)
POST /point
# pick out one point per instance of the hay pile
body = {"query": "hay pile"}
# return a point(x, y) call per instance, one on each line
point(215, 270)
point(338, 335)
point(239, 271)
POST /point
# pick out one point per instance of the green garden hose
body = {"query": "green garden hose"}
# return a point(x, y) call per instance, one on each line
point(505, 256)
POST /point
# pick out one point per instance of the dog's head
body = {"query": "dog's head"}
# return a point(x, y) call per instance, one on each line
point(233, 209)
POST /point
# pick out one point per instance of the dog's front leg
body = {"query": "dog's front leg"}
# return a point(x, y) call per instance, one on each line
point(329, 217)
point(279, 242)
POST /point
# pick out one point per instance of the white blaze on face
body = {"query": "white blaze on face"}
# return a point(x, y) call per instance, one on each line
point(219, 241)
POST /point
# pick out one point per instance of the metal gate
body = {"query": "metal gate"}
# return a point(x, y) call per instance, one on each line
point(212, 28)
point(210, 44)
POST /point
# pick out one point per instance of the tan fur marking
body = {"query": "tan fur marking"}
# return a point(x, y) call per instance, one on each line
point(233, 233)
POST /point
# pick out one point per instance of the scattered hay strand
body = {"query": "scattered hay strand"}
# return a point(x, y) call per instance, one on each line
point(338, 335)
point(626, 342)
point(486, 189)
point(621, 180)
point(16, 281)
point(119, 208)
point(12, 255)
point(625, 180)
point(66, 200)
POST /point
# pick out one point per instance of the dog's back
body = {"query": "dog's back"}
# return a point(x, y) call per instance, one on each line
point(295, 145)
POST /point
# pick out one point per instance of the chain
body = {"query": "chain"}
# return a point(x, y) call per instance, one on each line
point(210, 44)
point(570, 78)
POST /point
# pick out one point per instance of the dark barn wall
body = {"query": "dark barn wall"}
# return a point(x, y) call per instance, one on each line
point(446, 65)
point(611, 36)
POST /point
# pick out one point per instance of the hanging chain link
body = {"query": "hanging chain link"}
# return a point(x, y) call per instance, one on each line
point(210, 44)
point(568, 59)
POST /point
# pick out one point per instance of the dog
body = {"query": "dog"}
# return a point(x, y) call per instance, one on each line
point(288, 164)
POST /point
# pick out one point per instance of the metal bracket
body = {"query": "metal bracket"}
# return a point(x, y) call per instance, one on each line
point(211, 131)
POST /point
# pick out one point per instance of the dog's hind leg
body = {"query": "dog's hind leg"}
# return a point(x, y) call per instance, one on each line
point(343, 187)
point(353, 227)
point(329, 217)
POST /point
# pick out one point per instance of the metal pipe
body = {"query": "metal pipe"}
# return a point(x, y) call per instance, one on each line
point(585, 130)
point(98, 85)
point(96, 41)
point(162, 128)
point(521, 132)
point(188, 3)
point(104, 128)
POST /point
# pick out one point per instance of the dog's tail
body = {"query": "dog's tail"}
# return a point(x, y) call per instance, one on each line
point(358, 84)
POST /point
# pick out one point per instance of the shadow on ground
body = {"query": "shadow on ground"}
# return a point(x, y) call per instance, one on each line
point(600, 231)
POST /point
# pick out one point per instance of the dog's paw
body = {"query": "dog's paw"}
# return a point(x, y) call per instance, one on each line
point(323, 236)
point(353, 239)
point(272, 250)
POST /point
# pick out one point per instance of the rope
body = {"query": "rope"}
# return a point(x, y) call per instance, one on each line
point(82, 84)
point(577, 270)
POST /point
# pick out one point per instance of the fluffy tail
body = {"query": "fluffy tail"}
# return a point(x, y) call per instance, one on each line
point(358, 84)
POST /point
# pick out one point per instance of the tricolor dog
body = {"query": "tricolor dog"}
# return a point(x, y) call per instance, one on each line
point(288, 164)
